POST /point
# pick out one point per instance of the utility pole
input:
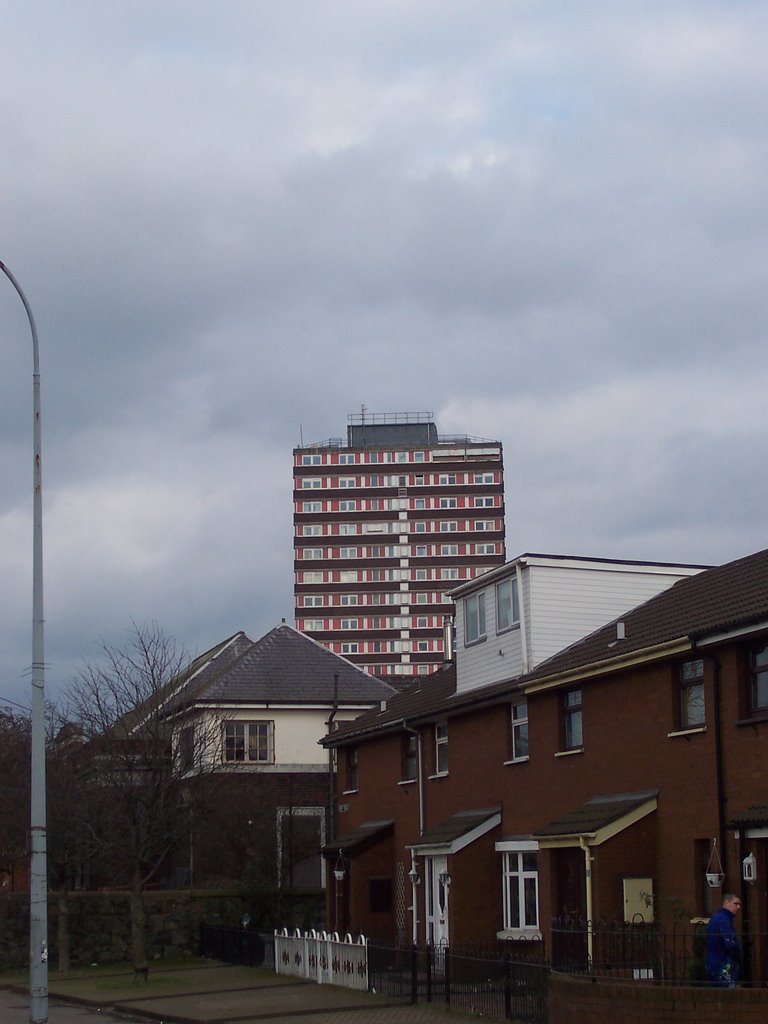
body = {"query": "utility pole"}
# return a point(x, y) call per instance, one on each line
point(38, 868)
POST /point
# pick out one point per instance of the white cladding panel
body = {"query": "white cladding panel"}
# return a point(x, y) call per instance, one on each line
point(561, 602)
point(566, 604)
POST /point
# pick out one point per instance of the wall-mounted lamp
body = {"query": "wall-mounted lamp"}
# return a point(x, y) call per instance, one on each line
point(445, 879)
point(749, 868)
point(414, 876)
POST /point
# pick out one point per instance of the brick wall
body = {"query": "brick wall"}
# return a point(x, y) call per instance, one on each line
point(580, 1001)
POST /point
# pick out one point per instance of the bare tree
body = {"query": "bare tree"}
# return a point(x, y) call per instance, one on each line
point(14, 790)
point(144, 778)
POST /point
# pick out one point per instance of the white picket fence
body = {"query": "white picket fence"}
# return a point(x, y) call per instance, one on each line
point(323, 957)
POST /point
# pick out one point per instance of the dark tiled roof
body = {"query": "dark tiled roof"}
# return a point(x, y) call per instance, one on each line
point(429, 696)
point(455, 827)
point(595, 814)
point(283, 667)
point(365, 835)
point(726, 597)
point(756, 814)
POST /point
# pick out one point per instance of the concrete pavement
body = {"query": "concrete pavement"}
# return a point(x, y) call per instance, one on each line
point(211, 994)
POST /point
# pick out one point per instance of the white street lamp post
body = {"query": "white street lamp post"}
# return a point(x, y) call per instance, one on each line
point(38, 872)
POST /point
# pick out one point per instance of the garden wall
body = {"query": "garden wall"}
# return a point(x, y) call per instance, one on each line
point(100, 929)
point(582, 1001)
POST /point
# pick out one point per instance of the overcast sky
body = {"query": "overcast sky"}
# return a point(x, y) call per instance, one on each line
point(237, 222)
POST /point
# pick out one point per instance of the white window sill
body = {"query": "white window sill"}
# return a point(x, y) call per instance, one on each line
point(530, 934)
point(517, 760)
point(407, 782)
point(348, 792)
point(569, 753)
point(438, 775)
point(687, 732)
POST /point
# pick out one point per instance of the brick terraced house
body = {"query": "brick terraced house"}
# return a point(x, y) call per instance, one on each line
point(589, 788)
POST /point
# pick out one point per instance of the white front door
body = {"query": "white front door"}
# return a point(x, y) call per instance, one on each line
point(436, 898)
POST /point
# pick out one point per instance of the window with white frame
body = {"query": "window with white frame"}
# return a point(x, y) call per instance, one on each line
point(310, 483)
point(448, 503)
point(347, 552)
point(691, 681)
point(313, 601)
point(347, 529)
point(449, 549)
point(313, 624)
point(311, 460)
point(350, 648)
point(348, 576)
point(485, 525)
point(349, 624)
point(347, 481)
point(311, 577)
point(420, 527)
point(485, 549)
point(313, 530)
point(484, 502)
point(418, 456)
point(421, 574)
point(507, 607)
point(347, 506)
point(449, 574)
point(313, 553)
point(518, 732)
point(252, 742)
point(449, 527)
point(447, 479)
point(346, 459)
point(312, 506)
point(520, 887)
point(572, 732)
point(474, 618)
point(420, 503)
point(441, 748)
point(483, 478)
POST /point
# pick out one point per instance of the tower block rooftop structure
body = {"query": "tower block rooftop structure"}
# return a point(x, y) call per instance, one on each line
point(386, 522)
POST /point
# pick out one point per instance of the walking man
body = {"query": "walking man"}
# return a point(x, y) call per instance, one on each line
point(723, 946)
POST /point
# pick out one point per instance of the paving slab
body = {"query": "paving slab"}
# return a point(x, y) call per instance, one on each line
point(210, 994)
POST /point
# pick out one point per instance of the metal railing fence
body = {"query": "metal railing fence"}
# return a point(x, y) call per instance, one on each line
point(645, 952)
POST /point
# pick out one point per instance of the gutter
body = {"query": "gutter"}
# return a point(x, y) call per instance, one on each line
point(598, 668)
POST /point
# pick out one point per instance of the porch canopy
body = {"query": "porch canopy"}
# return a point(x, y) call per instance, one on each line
point(456, 832)
point(752, 823)
point(597, 820)
point(361, 838)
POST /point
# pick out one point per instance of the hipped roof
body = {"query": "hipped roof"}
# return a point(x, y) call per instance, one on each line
point(283, 667)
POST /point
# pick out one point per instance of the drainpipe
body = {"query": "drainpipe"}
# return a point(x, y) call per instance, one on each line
point(331, 779)
point(521, 610)
point(419, 772)
point(588, 881)
point(719, 768)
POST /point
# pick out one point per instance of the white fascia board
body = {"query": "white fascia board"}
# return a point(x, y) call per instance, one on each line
point(457, 844)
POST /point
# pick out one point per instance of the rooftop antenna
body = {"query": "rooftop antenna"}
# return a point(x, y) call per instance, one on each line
point(301, 436)
point(363, 411)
